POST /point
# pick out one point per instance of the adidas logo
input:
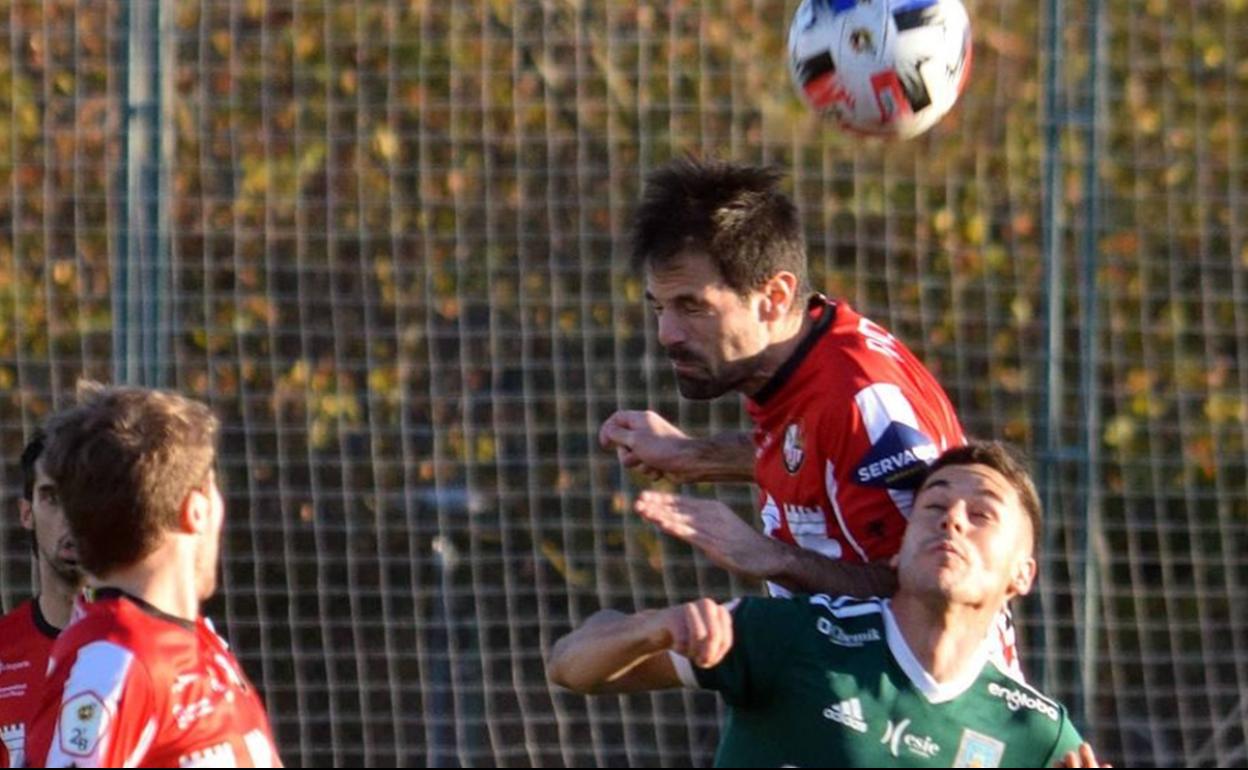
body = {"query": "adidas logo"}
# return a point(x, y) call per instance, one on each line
point(848, 713)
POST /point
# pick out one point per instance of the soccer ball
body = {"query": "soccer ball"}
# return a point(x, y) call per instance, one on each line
point(889, 68)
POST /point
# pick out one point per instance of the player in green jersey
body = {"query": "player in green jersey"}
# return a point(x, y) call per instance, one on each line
point(818, 681)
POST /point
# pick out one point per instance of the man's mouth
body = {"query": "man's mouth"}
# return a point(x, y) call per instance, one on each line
point(947, 546)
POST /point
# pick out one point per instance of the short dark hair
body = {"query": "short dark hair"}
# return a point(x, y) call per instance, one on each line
point(123, 462)
point(735, 214)
point(30, 456)
point(1011, 464)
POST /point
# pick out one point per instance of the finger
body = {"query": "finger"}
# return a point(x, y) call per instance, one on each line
point(615, 434)
point(676, 628)
point(604, 431)
point(654, 501)
point(1088, 756)
point(666, 518)
point(721, 631)
point(626, 457)
point(697, 633)
point(722, 634)
point(676, 529)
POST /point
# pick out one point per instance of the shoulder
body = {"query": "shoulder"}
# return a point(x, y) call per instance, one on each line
point(843, 607)
point(848, 621)
point(114, 636)
point(854, 354)
point(19, 616)
point(845, 620)
point(22, 635)
point(1019, 697)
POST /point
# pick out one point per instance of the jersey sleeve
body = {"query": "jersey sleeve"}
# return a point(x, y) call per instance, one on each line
point(762, 631)
point(108, 714)
point(1068, 740)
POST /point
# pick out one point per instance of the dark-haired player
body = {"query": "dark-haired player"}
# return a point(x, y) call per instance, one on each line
point(846, 419)
point(821, 681)
point(27, 633)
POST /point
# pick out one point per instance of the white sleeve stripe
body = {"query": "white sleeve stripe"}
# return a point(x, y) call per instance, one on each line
point(834, 491)
point(684, 670)
point(100, 667)
point(144, 743)
point(89, 704)
point(881, 405)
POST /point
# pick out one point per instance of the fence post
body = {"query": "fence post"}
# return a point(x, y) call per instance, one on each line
point(140, 244)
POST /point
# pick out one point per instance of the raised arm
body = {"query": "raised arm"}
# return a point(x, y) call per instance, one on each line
point(713, 528)
point(613, 652)
point(646, 442)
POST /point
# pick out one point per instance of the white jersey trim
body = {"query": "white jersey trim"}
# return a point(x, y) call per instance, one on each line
point(684, 670)
point(145, 742)
point(833, 489)
point(848, 606)
point(880, 405)
point(934, 691)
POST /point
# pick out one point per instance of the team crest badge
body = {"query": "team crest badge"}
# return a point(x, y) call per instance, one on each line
point(978, 750)
point(84, 719)
point(794, 452)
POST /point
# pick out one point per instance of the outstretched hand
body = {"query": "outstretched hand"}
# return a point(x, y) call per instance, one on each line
point(711, 527)
point(1084, 757)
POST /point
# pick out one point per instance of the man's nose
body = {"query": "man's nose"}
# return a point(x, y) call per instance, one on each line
point(955, 517)
point(671, 331)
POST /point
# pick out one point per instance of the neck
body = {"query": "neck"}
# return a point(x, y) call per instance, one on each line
point(56, 596)
point(785, 335)
point(165, 579)
point(943, 636)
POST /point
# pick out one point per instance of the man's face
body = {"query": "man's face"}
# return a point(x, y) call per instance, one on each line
point(712, 335)
point(43, 516)
point(969, 540)
point(209, 550)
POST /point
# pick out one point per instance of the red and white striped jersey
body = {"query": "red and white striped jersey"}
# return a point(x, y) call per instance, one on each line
point(129, 685)
point(26, 640)
point(843, 434)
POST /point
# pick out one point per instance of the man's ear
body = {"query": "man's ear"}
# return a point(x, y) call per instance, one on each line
point(193, 518)
point(26, 514)
point(780, 294)
point(1024, 577)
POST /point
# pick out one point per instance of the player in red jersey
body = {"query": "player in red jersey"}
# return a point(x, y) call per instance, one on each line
point(139, 677)
point(27, 633)
point(846, 419)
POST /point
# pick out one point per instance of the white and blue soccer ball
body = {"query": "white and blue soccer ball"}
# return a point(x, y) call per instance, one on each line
point(889, 68)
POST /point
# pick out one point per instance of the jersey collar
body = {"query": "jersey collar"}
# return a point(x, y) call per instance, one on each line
point(110, 592)
point(41, 621)
point(823, 322)
point(934, 691)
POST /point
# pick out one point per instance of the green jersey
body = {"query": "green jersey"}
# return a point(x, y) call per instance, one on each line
point(820, 682)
